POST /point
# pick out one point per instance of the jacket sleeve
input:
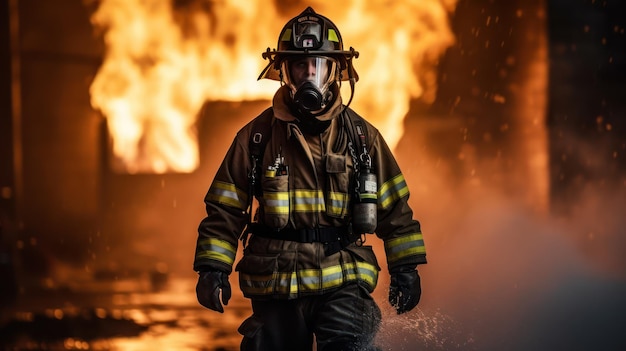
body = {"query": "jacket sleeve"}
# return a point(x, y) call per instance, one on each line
point(226, 202)
point(402, 235)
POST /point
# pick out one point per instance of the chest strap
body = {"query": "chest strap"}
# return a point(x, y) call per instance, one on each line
point(304, 235)
point(334, 239)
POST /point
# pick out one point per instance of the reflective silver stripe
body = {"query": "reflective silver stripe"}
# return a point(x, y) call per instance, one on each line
point(404, 246)
point(276, 202)
point(256, 284)
point(303, 201)
point(308, 201)
point(338, 201)
point(215, 249)
point(392, 190)
point(310, 280)
point(279, 283)
point(228, 194)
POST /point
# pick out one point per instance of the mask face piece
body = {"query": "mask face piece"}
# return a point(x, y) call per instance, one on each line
point(308, 97)
point(309, 79)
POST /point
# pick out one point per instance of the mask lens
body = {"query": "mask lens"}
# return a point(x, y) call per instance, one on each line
point(309, 78)
point(317, 70)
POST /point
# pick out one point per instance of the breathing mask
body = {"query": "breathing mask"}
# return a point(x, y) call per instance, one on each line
point(309, 79)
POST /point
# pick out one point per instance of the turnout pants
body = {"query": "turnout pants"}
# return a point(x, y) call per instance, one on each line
point(346, 319)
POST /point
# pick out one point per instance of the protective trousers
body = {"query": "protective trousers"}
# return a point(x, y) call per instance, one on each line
point(346, 319)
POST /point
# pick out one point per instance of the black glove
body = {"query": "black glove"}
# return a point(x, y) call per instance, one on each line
point(405, 289)
point(208, 290)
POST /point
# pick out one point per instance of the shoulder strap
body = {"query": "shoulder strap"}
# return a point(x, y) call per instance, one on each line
point(261, 133)
point(360, 129)
point(356, 130)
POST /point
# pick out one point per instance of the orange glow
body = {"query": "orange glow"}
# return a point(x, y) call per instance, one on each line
point(400, 44)
point(162, 64)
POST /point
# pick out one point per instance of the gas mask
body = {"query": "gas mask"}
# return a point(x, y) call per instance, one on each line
point(309, 79)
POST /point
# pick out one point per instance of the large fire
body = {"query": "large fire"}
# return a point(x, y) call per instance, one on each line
point(162, 63)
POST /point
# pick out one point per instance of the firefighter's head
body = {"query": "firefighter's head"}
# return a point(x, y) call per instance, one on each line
point(311, 61)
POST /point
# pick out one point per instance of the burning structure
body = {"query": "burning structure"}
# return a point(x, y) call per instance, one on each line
point(502, 115)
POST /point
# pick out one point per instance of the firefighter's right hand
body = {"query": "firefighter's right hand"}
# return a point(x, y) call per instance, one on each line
point(208, 290)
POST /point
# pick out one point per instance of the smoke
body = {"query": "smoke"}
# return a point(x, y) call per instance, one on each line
point(504, 276)
point(504, 272)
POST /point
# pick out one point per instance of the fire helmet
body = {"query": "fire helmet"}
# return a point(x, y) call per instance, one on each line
point(312, 38)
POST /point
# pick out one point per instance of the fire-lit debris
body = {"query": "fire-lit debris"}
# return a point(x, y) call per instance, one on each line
point(147, 326)
point(130, 314)
point(87, 325)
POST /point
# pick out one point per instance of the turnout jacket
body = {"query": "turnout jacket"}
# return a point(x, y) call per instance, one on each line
point(314, 192)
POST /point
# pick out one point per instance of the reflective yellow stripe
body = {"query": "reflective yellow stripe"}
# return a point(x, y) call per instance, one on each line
point(256, 284)
point(405, 246)
point(392, 190)
point(338, 201)
point(315, 279)
point(332, 35)
point(277, 203)
point(310, 280)
point(228, 194)
point(308, 201)
point(304, 201)
point(215, 249)
point(269, 284)
point(368, 196)
point(287, 35)
point(293, 285)
point(367, 272)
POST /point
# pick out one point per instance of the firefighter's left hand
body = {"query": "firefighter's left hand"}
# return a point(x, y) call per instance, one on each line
point(405, 289)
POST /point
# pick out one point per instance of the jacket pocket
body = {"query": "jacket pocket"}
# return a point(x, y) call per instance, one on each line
point(267, 275)
point(257, 274)
point(363, 253)
point(364, 264)
point(337, 196)
point(275, 201)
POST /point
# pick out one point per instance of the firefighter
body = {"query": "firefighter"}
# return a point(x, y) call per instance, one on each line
point(323, 178)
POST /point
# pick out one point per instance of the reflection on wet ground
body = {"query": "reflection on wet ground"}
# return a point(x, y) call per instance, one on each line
point(148, 314)
point(130, 315)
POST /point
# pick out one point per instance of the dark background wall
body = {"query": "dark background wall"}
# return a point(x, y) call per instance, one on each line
point(479, 98)
point(55, 168)
point(587, 102)
point(488, 120)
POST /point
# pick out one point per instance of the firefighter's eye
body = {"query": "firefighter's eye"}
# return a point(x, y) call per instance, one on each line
point(301, 64)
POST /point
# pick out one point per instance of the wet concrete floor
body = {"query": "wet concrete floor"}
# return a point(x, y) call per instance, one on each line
point(126, 315)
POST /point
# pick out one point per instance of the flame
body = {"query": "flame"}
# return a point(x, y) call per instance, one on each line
point(162, 63)
point(400, 45)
